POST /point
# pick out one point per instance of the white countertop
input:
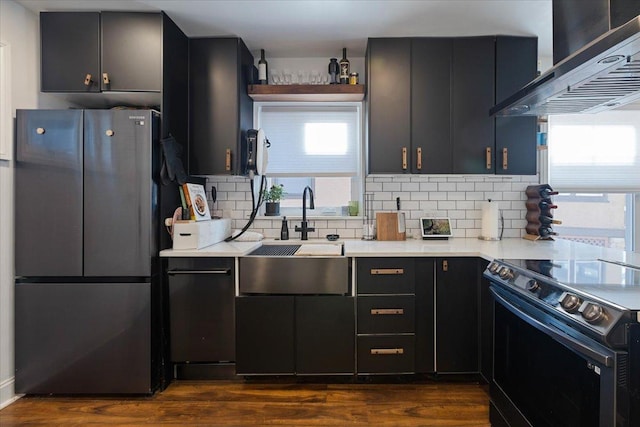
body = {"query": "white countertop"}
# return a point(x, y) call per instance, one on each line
point(506, 248)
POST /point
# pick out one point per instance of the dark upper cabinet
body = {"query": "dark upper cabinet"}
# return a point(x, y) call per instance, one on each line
point(515, 148)
point(431, 149)
point(389, 92)
point(131, 51)
point(94, 52)
point(472, 130)
point(70, 50)
point(221, 111)
point(429, 101)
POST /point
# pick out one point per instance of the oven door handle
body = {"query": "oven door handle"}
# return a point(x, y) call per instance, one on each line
point(567, 341)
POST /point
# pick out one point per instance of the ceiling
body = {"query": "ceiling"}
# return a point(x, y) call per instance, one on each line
point(320, 28)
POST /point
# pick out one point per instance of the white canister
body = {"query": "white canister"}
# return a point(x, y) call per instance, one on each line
point(490, 221)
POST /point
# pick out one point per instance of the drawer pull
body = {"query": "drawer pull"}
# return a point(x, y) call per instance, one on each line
point(227, 160)
point(404, 158)
point(383, 351)
point(385, 311)
point(380, 271)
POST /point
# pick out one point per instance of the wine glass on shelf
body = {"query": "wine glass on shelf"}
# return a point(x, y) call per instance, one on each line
point(287, 76)
point(275, 77)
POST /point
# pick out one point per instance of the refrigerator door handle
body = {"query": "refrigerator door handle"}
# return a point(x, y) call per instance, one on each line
point(215, 271)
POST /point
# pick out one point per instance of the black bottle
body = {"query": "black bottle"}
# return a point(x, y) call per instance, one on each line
point(284, 231)
point(344, 68)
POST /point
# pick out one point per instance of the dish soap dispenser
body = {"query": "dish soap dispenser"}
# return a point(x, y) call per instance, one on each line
point(284, 231)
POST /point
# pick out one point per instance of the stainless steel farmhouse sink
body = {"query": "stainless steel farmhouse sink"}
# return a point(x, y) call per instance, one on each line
point(304, 269)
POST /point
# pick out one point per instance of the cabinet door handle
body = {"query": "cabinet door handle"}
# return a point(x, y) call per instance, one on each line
point(387, 311)
point(87, 80)
point(105, 78)
point(215, 271)
point(227, 161)
point(445, 265)
point(488, 155)
point(383, 351)
point(387, 271)
point(404, 158)
point(419, 158)
point(505, 158)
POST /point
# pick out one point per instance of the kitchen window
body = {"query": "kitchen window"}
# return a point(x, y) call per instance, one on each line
point(594, 161)
point(317, 145)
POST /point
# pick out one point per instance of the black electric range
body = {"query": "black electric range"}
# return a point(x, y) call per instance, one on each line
point(598, 297)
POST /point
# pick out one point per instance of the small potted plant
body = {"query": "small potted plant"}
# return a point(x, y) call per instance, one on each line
point(272, 197)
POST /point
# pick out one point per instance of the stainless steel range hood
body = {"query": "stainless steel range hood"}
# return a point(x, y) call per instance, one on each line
point(603, 75)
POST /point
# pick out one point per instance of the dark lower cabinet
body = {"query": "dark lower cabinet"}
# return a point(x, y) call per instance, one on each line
point(425, 306)
point(286, 335)
point(324, 335)
point(457, 315)
point(486, 326)
point(201, 314)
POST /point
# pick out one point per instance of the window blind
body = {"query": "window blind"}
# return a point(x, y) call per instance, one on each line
point(312, 140)
point(595, 152)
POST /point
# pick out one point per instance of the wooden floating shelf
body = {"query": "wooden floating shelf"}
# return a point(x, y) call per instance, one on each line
point(306, 92)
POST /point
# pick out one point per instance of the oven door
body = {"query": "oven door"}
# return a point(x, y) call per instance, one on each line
point(546, 374)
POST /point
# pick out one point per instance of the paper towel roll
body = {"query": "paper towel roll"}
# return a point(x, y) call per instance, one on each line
point(490, 221)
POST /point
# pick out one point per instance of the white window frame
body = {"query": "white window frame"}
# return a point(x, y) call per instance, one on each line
point(6, 115)
point(358, 181)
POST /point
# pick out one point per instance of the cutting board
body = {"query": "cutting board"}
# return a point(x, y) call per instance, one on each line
point(316, 249)
point(390, 226)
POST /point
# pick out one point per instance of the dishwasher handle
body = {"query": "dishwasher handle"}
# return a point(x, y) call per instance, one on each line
point(225, 271)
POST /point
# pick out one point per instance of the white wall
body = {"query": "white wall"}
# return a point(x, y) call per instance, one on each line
point(19, 30)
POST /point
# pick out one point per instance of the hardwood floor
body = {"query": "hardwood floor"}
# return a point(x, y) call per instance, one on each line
point(239, 403)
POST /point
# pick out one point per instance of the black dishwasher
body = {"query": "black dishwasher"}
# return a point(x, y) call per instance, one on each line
point(202, 317)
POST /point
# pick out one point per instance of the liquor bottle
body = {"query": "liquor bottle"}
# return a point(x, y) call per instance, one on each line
point(344, 68)
point(263, 69)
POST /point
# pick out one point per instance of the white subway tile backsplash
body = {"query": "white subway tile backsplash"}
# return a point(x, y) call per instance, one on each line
point(458, 196)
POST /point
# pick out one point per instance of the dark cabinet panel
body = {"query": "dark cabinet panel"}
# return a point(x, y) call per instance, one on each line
point(425, 306)
point(221, 111)
point(325, 340)
point(431, 150)
point(472, 97)
point(389, 314)
point(389, 94)
point(385, 276)
point(516, 59)
point(265, 335)
point(70, 51)
point(386, 354)
point(201, 313)
point(132, 51)
point(457, 319)
point(295, 334)
point(79, 48)
point(486, 326)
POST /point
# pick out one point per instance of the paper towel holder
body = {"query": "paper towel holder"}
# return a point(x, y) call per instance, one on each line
point(487, 231)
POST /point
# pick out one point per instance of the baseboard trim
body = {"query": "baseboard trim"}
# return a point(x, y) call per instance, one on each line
point(7, 394)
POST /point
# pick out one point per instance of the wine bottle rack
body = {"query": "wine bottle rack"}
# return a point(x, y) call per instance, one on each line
point(540, 212)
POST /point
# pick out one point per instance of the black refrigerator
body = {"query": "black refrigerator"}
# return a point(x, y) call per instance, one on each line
point(86, 245)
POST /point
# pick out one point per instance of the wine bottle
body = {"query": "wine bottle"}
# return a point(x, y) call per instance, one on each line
point(540, 230)
point(540, 204)
point(263, 69)
point(534, 217)
point(344, 68)
point(542, 190)
point(546, 232)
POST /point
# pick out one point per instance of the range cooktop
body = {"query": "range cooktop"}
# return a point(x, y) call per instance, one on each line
point(607, 281)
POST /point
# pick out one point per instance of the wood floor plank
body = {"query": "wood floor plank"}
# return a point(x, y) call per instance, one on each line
point(238, 403)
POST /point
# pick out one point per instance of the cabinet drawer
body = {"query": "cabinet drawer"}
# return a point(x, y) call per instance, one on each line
point(388, 354)
point(385, 276)
point(386, 314)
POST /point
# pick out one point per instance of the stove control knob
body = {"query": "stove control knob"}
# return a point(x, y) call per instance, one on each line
point(532, 285)
point(592, 313)
point(570, 302)
point(493, 267)
point(506, 273)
